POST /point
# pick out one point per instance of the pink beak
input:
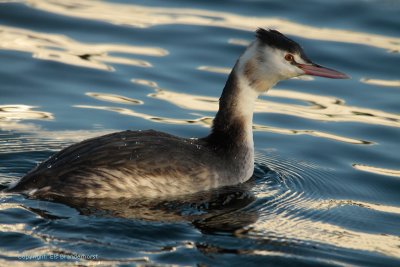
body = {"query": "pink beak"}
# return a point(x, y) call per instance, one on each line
point(317, 70)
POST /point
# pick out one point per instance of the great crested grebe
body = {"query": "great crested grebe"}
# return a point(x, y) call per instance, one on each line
point(155, 164)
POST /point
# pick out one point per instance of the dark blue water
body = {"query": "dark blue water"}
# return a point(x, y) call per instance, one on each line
point(326, 189)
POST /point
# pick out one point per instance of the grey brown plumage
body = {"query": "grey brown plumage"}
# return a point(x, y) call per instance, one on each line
point(129, 164)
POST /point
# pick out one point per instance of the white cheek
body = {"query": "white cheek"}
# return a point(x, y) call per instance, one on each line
point(287, 70)
point(297, 71)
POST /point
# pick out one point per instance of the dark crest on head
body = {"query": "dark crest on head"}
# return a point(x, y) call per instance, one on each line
point(277, 40)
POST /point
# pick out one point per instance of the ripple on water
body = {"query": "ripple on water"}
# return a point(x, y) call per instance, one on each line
point(388, 83)
point(321, 108)
point(146, 16)
point(114, 98)
point(285, 205)
point(294, 197)
point(62, 49)
point(377, 170)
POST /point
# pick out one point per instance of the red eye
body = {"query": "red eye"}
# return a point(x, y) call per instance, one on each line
point(289, 57)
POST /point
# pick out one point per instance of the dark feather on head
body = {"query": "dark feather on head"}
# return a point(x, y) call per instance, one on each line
point(277, 40)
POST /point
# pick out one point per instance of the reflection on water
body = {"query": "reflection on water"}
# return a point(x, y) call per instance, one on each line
point(36, 139)
point(215, 69)
point(392, 83)
point(19, 112)
point(130, 112)
point(292, 209)
point(240, 42)
point(215, 210)
point(312, 133)
point(323, 108)
point(207, 122)
point(30, 136)
point(377, 170)
point(68, 51)
point(313, 231)
point(115, 98)
point(121, 14)
point(326, 108)
point(12, 115)
point(334, 203)
point(277, 206)
point(145, 82)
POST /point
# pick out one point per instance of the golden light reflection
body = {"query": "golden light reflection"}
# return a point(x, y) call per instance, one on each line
point(144, 16)
point(240, 42)
point(207, 122)
point(319, 105)
point(17, 227)
point(32, 137)
point(290, 215)
point(114, 98)
point(129, 112)
point(314, 231)
point(221, 70)
point(335, 203)
point(62, 49)
point(322, 108)
point(35, 138)
point(293, 215)
point(9, 113)
point(145, 82)
point(187, 101)
point(377, 170)
point(315, 133)
point(326, 108)
point(388, 83)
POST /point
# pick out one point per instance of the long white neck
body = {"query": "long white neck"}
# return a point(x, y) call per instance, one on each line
point(232, 132)
point(234, 120)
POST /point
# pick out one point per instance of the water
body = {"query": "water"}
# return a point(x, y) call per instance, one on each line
point(327, 175)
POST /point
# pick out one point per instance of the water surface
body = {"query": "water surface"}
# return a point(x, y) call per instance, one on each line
point(327, 174)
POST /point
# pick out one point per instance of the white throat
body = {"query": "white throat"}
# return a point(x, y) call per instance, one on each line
point(244, 109)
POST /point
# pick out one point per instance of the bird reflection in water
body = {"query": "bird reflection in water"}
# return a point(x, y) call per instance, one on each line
point(224, 209)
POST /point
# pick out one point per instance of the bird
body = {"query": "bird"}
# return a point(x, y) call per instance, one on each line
point(153, 164)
